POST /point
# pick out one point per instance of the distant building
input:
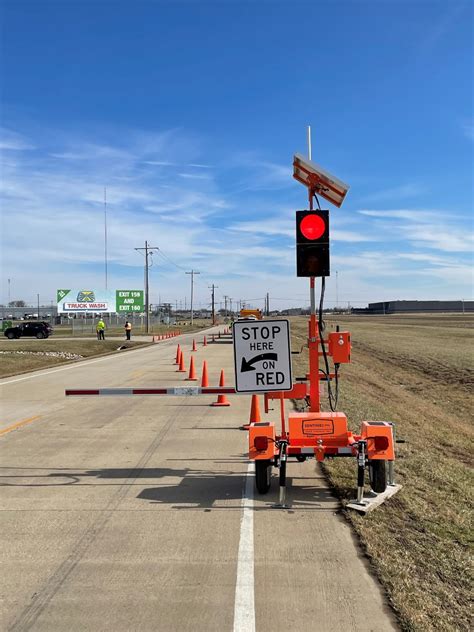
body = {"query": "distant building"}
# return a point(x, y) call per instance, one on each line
point(407, 307)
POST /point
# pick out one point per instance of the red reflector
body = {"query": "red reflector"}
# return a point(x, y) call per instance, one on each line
point(312, 227)
point(261, 443)
point(380, 443)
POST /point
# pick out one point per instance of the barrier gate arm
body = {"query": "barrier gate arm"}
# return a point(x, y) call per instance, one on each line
point(174, 390)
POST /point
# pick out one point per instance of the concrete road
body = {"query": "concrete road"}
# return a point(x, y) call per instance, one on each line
point(138, 513)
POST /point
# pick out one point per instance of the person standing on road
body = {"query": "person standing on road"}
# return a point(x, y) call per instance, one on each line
point(100, 330)
point(128, 329)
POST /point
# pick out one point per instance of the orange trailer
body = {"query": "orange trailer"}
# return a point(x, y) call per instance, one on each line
point(321, 434)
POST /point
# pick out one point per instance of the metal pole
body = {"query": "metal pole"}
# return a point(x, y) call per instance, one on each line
point(38, 297)
point(313, 327)
point(105, 234)
point(192, 273)
point(213, 304)
point(147, 250)
point(337, 290)
point(147, 287)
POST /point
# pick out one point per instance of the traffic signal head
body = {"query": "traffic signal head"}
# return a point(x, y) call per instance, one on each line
point(312, 243)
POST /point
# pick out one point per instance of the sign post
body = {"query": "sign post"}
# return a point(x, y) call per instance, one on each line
point(262, 356)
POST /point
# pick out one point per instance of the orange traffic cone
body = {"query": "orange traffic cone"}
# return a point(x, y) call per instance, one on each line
point(178, 353)
point(194, 345)
point(181, 368)
point(204, 379)
point(204, 342)
point(254, 417)
point(192, 371)
point(255, 411)
point(221, 399)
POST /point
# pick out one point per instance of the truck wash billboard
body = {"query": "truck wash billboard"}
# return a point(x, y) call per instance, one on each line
point(83, 300)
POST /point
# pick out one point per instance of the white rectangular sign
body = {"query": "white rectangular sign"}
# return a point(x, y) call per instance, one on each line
point(262, 356)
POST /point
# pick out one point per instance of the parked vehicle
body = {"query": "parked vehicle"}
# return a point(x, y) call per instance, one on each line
point(37, 330)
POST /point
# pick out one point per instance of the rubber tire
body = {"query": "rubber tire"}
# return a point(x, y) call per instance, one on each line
point(263, 475)
point(378, 475)
point(11, 335)
point(40, 335)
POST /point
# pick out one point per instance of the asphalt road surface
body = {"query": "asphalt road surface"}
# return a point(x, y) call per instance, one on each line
point(139, 513)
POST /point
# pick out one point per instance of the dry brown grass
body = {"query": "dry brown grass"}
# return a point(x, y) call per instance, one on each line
point(416, 371)
point(13, 364)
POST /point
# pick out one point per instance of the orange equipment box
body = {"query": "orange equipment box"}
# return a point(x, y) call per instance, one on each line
point(379, 437)
point(340, 346)
point(307, 428)
point(262, 440)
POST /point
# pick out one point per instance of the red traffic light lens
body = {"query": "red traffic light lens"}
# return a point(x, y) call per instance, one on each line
point(312, 227)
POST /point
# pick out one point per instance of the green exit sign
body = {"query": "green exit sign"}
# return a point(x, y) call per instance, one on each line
point(130, 301)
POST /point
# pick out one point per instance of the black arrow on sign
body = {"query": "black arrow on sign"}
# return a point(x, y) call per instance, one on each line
point(247, 365)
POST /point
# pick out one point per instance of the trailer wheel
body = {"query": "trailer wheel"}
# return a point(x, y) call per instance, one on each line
point(263, 473)
point(378, 475)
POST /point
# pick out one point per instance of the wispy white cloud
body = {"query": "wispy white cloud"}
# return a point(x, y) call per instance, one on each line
point(12, 141)
point(403, 191)
point(195, 176)
point(436, 229)
point(468, 129)
point(410, 214)
point(241, 242)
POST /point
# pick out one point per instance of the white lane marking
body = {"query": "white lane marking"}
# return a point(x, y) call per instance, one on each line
point(244, 606)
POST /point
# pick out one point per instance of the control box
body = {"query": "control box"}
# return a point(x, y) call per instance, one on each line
point(340, 346)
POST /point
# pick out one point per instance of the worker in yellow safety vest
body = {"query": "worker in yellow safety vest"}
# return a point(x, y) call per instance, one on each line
point(100, 330)
point(128, 329)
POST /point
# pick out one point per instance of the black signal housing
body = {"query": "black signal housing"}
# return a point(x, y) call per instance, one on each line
point(312, 243)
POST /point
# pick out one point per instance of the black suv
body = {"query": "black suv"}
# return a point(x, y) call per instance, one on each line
point(38, 330)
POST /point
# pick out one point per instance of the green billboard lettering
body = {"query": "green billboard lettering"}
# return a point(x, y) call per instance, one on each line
point(129, 301)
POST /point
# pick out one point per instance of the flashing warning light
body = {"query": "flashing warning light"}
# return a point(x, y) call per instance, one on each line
point(312, 226)
point(312, 243)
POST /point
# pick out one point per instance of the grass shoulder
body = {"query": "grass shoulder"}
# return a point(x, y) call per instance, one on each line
point(21, 356)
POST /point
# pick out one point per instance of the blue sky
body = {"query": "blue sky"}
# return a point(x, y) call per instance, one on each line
point(190, 112)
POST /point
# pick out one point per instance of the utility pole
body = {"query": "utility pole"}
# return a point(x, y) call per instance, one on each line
point(38, 297)
point(267, 306)
point(213, 287)
point(148, 251)
point(230, 301)
point(225, 305)
point(192, 273)
point(9, 294)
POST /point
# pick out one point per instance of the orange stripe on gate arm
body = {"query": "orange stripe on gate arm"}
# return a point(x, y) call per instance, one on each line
point(19, 424)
